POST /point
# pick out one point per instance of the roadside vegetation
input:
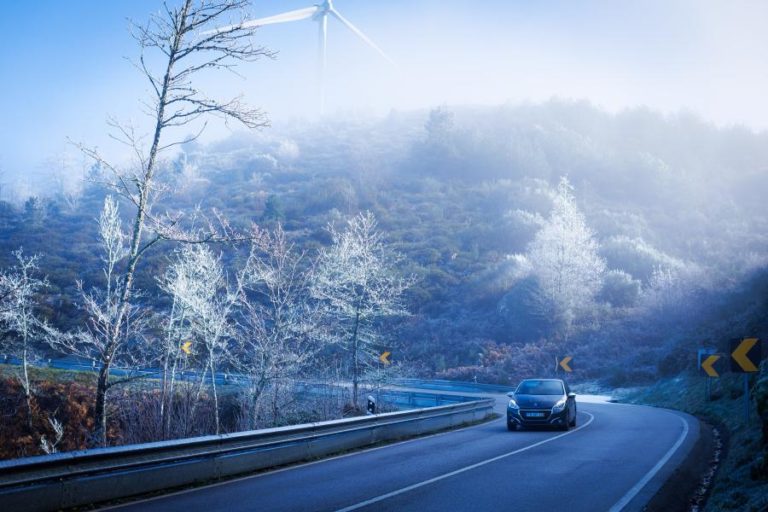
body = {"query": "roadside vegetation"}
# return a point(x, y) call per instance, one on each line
point(741, 480)
point(63, 400)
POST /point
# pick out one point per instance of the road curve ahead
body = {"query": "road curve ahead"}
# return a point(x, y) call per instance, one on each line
point(616, 459)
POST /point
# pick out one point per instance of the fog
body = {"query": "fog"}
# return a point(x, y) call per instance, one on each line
point(68, 69)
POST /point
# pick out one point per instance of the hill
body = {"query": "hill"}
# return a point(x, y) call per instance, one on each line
point(670, 202)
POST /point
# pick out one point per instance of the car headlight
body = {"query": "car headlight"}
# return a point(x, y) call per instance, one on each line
point(559, 406)
point(513, 404)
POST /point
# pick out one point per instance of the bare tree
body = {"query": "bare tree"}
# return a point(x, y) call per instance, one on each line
point(276, 341)
point(358, 282)
point(184, 38)
point(105, 313)
point(564, 259)
point(18, 289)
point(177, 333)
point(202, 288)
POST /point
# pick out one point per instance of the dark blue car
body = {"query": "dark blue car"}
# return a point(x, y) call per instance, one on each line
point(541, 402)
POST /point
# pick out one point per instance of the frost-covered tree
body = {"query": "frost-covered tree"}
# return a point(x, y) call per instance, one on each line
point(565, 261)
point(185, 40)
point(113, 332)
point(176, 332)
point(19, 287)
point(671, 295)
point(664, 288)
point(276, 338)
point(359, 284)
point(201, 288)
point(58, 434)
point(620, 290)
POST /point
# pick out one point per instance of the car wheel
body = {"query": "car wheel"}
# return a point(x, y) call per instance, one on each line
point(511, 426)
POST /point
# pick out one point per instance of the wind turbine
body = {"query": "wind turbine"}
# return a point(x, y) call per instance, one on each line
point(319, 13)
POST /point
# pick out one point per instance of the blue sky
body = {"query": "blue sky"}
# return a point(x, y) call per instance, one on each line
point(64, 70)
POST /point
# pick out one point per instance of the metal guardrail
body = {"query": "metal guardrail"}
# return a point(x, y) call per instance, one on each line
point(227, 378)
point(387, 396)
point(83, 365)
point(71, 479)
point(454, 385)
point(415, 400)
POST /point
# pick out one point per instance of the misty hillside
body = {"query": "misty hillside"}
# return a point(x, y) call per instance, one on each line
point(672, 204)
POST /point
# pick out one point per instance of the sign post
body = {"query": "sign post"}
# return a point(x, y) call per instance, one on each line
point(707, 357)
point(746, 397)
point(745, 358)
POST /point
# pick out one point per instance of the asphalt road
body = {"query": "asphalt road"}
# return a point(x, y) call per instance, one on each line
point(616, 459)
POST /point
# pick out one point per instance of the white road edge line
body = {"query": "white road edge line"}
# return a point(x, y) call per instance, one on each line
point(404, 490)
point(624, 501)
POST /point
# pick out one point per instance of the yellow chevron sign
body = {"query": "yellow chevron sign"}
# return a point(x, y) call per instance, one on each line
point(707, 365)
point(564, 364)
point(746, 355)
point(384, 358)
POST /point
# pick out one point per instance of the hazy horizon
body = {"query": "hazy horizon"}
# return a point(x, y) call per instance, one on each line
point(68, 75)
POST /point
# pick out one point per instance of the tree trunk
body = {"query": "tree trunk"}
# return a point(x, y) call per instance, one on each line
point(215, 397)
point(27, 387)
point(134, 254)
point(355, 362)
point(275, 408)
point(199, 392)
point(164, 395)
point(251, 421)
point(256, 391)
point(100, 412)
point(170, 399)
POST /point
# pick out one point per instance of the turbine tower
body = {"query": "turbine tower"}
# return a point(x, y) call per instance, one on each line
point(319, 13)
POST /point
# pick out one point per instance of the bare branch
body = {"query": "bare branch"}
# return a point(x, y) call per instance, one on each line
point(174, 32)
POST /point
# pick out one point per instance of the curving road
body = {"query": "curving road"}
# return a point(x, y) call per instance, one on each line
point(616, 459)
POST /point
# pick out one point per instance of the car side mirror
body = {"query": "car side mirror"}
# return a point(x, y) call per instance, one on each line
point(511, 394)
point(571, 395)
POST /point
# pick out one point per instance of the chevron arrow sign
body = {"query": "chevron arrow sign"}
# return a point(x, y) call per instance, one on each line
point(745, 355)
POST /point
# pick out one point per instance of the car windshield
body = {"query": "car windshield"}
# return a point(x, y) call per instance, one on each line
point(540, 387)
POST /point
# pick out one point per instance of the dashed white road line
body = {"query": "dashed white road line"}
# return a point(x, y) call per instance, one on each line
point(409, 488)
point(290, 467)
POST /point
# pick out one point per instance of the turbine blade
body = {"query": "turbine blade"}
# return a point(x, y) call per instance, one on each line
point(298, 14)
point(359, 34)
